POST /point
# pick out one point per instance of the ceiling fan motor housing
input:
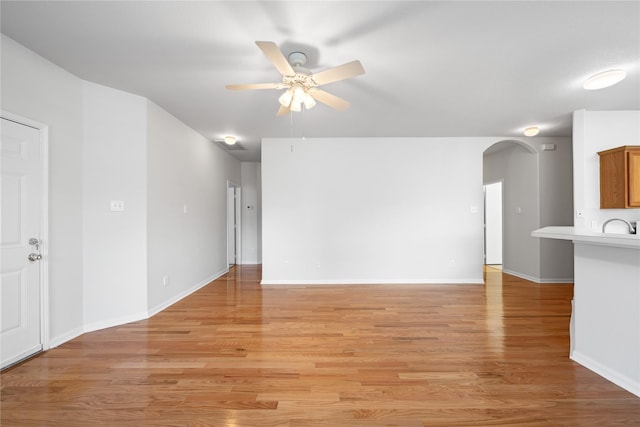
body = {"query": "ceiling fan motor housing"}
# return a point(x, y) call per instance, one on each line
point(297, 59)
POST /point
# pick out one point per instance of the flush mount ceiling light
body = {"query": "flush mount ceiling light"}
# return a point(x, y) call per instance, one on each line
point(532, 131)
point(229, 140)
point(301, 86)
point(604, 79)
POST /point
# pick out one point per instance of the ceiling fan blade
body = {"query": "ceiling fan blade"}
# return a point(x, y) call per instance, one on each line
point(341, 72)
point(330, 100)
point(283, 111)
point(277, 58)
point(252, 86)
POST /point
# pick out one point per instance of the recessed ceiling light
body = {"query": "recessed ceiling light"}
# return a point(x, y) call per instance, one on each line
point(532, 131)
point(229, 140)
point(604, 79)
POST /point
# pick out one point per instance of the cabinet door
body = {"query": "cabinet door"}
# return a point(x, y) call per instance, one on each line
point(612, 180)
point(634, 178)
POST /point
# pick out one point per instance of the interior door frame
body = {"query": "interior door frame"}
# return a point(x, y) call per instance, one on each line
point(488, 183)
point(237, 220)
point(43, 130)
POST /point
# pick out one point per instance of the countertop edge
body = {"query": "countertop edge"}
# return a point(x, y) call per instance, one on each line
point(631, 241)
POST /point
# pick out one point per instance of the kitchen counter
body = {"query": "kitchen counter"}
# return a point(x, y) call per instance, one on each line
point(592, 237)
point(605, 317)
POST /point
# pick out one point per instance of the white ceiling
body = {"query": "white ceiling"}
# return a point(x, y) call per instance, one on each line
point(432, 68)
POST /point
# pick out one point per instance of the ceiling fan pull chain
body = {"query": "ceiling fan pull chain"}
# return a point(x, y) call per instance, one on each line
point(291, 126)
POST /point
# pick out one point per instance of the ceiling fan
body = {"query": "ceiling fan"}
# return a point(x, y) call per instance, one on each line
point(300, 84)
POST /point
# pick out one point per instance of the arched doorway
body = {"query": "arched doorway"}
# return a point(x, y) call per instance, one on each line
point(514, 164)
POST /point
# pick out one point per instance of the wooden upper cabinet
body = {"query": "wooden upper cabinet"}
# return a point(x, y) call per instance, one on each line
point(620, 177)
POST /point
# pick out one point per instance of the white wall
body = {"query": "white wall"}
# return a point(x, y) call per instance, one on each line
point(556, 207)
point(606, 318)
point(595, 131)
point(251, 213)
point(371, 210)
point(184, 170)
point(115, 243)
point(39, 90)
point(401, 212)
point(106, 268)
point(606, 313)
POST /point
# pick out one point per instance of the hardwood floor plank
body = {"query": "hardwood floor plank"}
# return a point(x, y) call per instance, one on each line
point(239, 354)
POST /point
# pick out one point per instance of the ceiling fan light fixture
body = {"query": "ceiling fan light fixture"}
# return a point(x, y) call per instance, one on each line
point(309, 102)
point(298, 94)
point(604, 79)
point(229, 140)
point(285, 98)
point(296, 106)
point(532, 131)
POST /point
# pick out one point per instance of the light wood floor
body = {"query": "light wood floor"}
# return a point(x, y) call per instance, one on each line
point(238, 354)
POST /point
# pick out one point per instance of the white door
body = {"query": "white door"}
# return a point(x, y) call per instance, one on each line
point(234, 211)
point(231, 225)
point(493, 223)
point(20, 293)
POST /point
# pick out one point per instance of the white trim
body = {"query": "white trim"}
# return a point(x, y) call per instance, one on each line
point(557, 280)
point(376, 282)
point(55, 342)
point(537, 279)
point(158, 308)
point(61, 339)
point(615, 377)
point(520, 275)
point(104, 324)
point(43, 130)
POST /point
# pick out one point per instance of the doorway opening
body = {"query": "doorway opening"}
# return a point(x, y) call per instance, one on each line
point(493, 224)
point(514, 164)
point(233, 223)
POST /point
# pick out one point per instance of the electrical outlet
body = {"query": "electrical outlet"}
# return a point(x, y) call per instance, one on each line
point(117, 205)
point(165, 280)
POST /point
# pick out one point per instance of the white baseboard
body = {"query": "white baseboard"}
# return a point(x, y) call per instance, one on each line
point(521, 275)
point(558, 280)
point(109, 323)
point(376, 282)
point(104, 324)
point(158, 308)
point(629, 384)
point(537, 279)
point(61, 339)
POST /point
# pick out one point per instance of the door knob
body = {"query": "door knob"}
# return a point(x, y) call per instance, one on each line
point(35, 257)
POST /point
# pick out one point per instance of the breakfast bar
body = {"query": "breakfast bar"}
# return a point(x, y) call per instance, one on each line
point(605, 319)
